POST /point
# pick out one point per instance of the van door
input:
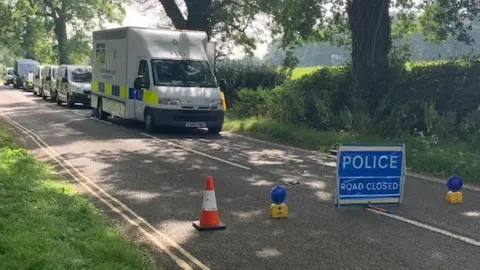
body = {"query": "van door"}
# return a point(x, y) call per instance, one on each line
point(139, 105)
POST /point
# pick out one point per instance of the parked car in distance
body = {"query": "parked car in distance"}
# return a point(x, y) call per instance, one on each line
point(8, 76)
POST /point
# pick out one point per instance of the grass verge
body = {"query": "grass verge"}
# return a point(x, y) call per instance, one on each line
point(44, 224)
point(423, 155)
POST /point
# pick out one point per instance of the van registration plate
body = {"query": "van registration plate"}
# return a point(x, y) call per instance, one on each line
point(196, 124)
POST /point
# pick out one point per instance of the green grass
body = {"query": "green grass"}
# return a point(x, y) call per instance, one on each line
point(45, 224)
point(423, 154)
point(301, 71)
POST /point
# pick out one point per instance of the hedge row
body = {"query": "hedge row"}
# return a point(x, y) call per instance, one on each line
point(247, 74)
point(434, 99)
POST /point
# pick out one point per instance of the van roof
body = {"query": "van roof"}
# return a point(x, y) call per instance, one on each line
point(77, 66)
point(160, 43)
point(165, 29)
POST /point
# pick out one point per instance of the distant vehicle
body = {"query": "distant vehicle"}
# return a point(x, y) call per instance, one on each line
point(8, 76)
point(28, 83)
point(49, 75)
point(74, 84)
point(38, 81)
point(22, 68)
point(166, 80)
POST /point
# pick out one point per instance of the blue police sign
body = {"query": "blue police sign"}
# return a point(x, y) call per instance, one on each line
point(370, 174)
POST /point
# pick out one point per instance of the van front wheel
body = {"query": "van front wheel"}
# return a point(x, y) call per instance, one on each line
point(100, 113)
point(214, 130)
point(70, 103)
point(57, 99)
point(149, 122)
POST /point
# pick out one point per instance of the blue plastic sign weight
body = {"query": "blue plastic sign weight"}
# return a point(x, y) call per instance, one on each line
point(370, 174)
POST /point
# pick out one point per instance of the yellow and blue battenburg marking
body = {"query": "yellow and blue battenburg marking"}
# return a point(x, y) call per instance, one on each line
point(113, 90)
point(123, 92)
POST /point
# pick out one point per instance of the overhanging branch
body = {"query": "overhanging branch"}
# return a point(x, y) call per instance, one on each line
point(174, 13)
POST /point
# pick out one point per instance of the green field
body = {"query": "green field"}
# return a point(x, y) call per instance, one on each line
point(45, 224)
point(301, 71)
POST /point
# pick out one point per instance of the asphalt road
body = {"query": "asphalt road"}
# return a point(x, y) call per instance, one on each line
point(162, 180)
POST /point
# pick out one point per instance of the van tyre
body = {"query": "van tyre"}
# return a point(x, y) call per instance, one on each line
point(53, 95)
point(57, 99)
point(43, 96)
point(100, 113)
point(149, 122)
point(214, 130)
point(70, 104)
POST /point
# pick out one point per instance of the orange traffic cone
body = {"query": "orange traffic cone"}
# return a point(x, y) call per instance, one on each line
point(209, 219)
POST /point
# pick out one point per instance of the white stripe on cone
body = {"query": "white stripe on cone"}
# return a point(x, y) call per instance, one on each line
point(209, 201)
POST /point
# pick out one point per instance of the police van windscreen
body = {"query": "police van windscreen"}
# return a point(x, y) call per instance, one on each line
point(81, 75)
point(182, 73)
point(26, 67)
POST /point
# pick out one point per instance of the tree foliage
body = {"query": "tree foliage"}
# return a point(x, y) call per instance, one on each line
point(444, 18)
point(62, 25)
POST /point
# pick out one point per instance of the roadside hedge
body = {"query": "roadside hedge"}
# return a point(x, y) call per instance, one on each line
point(439, 99)
point(247, 74)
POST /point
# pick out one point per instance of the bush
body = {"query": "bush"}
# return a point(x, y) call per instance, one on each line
point(319, 100)
point(246, 74)
point(434, 98)
point(250, 103)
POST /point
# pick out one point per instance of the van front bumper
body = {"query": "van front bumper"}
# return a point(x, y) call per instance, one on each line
point(188, 118)
point(83, 98)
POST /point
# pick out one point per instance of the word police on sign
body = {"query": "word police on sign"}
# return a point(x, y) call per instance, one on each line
point(370, 174)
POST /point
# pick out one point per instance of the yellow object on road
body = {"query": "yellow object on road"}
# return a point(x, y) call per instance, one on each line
point(278, 210)
point(454, 197)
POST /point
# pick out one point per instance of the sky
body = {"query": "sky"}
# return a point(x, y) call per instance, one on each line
point(134, 17)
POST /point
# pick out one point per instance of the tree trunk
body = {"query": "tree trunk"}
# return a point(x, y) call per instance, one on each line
point(370, 25)
point(61, 35)
point(199, 13)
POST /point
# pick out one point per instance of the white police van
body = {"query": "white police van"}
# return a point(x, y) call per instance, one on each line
point(49, 75)
point(73, 84)
point(161, 77)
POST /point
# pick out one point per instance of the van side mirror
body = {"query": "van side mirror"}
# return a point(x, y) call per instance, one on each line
point(36, 77)
point(48, 78)
point(223, 85)
point(139, 84)
point(64, 80)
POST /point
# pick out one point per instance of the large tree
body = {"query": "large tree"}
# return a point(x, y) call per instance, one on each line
point(79, 15)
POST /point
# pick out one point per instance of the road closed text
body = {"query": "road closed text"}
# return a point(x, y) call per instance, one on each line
point(370, 186)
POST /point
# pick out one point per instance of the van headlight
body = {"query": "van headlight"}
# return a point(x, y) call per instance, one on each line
point(167, 101)
point(215, 103)
point(77, 90)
